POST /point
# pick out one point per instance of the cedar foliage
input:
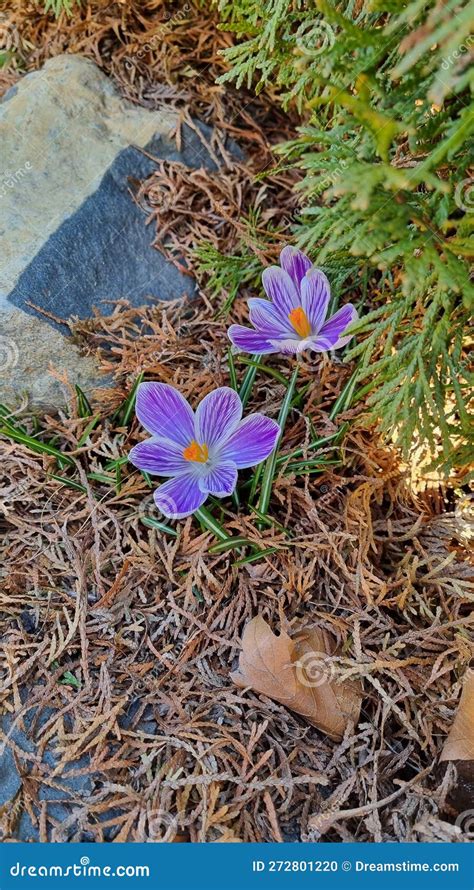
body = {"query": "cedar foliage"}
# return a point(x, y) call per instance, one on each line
point(384, 149)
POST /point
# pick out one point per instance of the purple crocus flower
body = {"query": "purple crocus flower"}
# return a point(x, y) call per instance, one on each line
point(294, 317)
point(201, 451)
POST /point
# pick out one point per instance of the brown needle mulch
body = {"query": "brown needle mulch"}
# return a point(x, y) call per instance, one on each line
point(148, 625)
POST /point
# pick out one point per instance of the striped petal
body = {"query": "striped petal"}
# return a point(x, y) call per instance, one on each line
point(315, 296)
point(165, 413)
point(252, 441)
point(279, 287)
point(296, 263)
point(330, 335)
point(179, 497)
point(248, 340)
point(217, 416)
point(159, 457)
point(268, 320)
point(221, 480)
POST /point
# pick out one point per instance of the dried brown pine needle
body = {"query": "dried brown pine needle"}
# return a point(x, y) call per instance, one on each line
point(150, 625)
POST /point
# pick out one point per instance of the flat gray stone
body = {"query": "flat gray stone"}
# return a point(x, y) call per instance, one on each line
point(71, 234)
point(61, 802)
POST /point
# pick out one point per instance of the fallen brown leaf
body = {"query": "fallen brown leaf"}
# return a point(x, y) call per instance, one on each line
point(300, 674)
point(460, 742)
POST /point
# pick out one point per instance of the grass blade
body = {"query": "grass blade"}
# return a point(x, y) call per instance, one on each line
point(248, 381)
point(87, 431)
point(207, 520)
point(254, 556)
point(343, 401)
point(232, 371)
point(125, 410)
point(272, 523)
point(83, 405)
point(160, 526)
point(318, 443)
point(270, 464)
point(36, 445)
point(230, 544)
point(70, 483)
point(272, 372)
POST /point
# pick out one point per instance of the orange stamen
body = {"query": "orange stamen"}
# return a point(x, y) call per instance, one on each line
point(197, 452)
point(299, 321)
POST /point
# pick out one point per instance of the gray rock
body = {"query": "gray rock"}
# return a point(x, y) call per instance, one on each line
point(71, 234)
point(10, 781)
point(61, 802)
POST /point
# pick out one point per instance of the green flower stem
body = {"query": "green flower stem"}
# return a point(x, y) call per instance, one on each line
point(271, 462)
point(248, 381)
point(207, 520)
point(232, 374)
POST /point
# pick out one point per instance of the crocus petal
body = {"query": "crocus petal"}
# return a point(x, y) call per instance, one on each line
point(252, 441)
point(279, 287)
point(220, 480)
point(292, 346)
point(315, 296)
point(160, 456)
point(296, 263)
point(330, 335)
point(165, 413)
point(268, 320)
point(249, 341)
point(218, 415)
point(180, 496)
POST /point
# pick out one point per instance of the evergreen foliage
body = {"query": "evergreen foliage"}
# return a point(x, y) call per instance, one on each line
point(386, 152)
point(59, 6)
